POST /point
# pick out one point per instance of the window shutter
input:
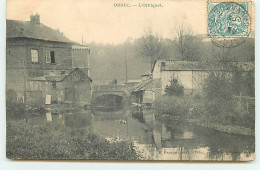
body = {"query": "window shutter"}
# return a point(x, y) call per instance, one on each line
point(34, 55)
point(48, 57)
point(52, 57)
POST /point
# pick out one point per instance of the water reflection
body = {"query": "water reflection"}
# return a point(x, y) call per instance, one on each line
point(48, 116)
point(154, 140)
point(78, 120)
point(110, 126)
point(108, 103)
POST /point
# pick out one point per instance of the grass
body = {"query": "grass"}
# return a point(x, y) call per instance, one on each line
point(25, 141)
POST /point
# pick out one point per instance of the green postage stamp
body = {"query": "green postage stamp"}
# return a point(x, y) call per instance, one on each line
point(228, 19)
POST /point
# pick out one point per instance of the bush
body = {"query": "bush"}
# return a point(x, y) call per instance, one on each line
point(15, 110)
point(219, 92)
point(218, 85)
point(174, 89)
point(174, 106)
point(197, 110)
point(27, 142)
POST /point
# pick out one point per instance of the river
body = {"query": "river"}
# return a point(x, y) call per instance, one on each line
point(154, 140)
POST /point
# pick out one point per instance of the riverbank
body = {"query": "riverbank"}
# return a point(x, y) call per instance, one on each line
point(195, 111)
point(26, 141)
point(240, 130)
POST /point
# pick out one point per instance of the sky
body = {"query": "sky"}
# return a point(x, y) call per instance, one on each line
point(99, 21)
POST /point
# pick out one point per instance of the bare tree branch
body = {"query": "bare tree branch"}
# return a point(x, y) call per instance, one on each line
point(149, 46)
point(184, 41)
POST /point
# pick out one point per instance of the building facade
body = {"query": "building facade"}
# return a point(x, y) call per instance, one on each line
point(74, 87)
point(35, 50)
point(191, 75)
point(143, 92)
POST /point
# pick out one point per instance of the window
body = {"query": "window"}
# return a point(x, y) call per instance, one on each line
point(50, 57)
point(54, 85)
point(34, 55)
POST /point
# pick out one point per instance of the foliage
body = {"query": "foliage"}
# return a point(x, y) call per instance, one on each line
point(25, 141)
point(244, 84)
point(205, 111)
point(111, 57)
point(15, 110)
point(174, 89)
point(218, 85)
point(174, 106)
point(221, 104)
point(219, 91)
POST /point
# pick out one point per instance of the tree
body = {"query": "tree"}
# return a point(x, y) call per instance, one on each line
point(174, 89)
point(218, 88)
point(218, 85)
point(185, 42)
point(149, 46)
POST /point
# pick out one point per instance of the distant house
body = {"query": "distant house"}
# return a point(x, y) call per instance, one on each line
point(74, 87)
point(143, 92)
point(190, 74)
point(35, 50)
point(131, 83)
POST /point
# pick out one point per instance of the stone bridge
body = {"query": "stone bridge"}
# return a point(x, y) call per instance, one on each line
point(109, 97)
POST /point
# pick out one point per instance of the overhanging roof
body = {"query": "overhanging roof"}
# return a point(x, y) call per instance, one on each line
point(26, 29)
point(142, 85)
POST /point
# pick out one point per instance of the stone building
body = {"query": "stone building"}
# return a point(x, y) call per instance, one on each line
point(35, 50)
point(74, 87)
point(143, 92)
point(191, 75)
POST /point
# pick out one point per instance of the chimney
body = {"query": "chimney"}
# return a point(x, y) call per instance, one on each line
point(162, 64)
point(35, 19)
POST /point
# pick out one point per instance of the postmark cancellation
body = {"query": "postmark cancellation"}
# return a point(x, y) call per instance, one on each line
point(229, 19)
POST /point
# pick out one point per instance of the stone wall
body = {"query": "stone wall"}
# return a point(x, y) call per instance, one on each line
point(19, 65)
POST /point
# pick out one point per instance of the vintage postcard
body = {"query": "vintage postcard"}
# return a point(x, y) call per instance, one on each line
point(130, 80)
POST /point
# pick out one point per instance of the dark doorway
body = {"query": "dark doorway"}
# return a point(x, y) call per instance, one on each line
point(70, 94)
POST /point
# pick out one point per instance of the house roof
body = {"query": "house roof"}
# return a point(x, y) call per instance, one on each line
point(26, 29)
point(80, 47)
point(77, 69)
point(134, 81)
point(169, 65)
point(180, 65)
point(57, 78)
point(142, 85)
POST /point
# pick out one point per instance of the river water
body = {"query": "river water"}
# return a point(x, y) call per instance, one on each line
point(154, 140)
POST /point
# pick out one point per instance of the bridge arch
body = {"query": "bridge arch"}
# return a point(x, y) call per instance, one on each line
point(111, 99)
